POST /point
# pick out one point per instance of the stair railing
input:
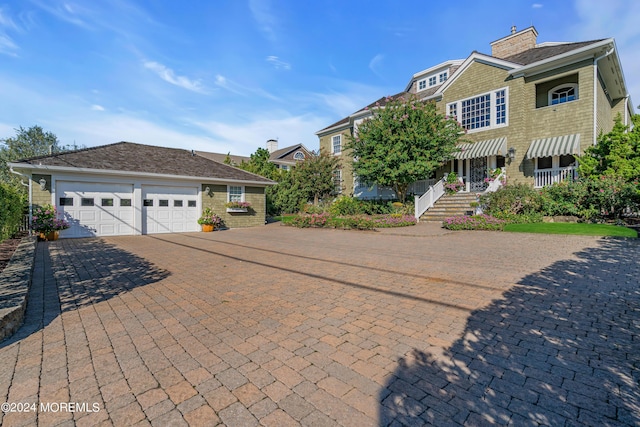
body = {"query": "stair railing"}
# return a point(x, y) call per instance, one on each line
point(428, 199)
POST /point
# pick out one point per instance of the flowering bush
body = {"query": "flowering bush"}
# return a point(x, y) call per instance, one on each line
point(45, 220)
point(310, 220)
point(209, 218)
point(476, 222)
point(238, 205)
point(360, 222)
point(453, 184)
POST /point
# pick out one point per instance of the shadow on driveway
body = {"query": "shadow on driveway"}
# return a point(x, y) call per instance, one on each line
point(72, 273)
point(560, 348)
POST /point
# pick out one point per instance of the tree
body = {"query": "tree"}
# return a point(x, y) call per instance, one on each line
point(617, 153)
point(259, 164)
point(27, 143)
point(315, 176)
point(404, 141)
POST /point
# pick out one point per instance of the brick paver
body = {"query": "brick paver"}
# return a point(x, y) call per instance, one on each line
point(281, 326)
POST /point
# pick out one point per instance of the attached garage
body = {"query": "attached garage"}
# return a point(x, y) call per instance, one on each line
point(131, 189)
point(95, 209)
point(169, 209)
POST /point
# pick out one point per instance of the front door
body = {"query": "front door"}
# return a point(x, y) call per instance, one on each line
point(478, 172)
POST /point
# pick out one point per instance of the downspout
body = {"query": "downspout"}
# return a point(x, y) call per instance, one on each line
point(595, 94)
point(30, 192)
point(626, 110)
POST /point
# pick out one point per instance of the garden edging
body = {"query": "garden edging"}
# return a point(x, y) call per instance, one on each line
point(15, 281)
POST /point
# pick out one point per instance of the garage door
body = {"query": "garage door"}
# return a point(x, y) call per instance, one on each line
point(169, 209)
point(94, 209)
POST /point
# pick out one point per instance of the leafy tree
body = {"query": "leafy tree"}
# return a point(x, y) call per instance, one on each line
point(27, 143)
point(617, 153)
point(259, 164)
point(315, 176)
point(403, 142)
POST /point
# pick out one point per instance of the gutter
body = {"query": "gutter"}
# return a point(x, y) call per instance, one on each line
point(595, 93)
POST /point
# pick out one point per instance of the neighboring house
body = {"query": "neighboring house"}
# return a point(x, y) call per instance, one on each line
point(287, 157)
point(128, 189)
point(527, 107)
point(283, 158)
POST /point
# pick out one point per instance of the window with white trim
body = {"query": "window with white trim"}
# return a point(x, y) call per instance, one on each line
point(563, 93)
point(336, 144)
point(443, 77)
point(482, 112)
point(422, 84)
point(235, 193)
point(432, 81)
point(298, 156)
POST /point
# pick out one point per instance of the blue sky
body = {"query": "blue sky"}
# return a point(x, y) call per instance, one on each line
point(226, 75)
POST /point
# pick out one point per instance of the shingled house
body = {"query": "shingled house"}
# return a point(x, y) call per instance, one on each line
point(127, 189)
point(528, 107)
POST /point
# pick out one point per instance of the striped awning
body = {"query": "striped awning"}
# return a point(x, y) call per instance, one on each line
point(490, 147)
point(555, 146)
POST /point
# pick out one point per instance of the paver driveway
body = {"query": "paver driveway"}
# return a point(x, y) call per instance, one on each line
point(279, 326)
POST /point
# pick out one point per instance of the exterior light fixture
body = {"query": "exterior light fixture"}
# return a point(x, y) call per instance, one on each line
point(43, 184)
point(511, 153)
point(208, 191)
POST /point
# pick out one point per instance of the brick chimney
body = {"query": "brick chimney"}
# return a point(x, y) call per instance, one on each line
point(514, 43)
point(272, 145)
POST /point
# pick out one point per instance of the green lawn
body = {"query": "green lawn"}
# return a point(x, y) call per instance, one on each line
point(572, 228)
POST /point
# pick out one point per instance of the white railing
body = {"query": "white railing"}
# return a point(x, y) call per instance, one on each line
point(496, 183)
point(429, 198)
point(420, 187)
point(545, 177)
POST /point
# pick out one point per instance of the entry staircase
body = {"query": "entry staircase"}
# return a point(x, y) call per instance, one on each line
point(450, 205)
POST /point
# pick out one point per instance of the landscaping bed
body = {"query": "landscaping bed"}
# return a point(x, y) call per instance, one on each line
point(8, 247)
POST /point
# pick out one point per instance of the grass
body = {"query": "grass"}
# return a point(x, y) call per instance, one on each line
point(572, 228)
point(285, 219)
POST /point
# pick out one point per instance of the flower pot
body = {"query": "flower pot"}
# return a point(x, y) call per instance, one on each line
point(207, 228)
point(50, 236)
point(236, 210)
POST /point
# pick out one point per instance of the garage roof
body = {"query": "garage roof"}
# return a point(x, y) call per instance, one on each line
point(139, 158)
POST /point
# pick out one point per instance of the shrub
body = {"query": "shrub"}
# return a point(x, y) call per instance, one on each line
point(345, 205)
point(512, 200)
point(476, 222)
point(563, 198)
point(11, 207)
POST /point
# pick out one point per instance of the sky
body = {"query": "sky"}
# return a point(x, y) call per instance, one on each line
point(227, 75)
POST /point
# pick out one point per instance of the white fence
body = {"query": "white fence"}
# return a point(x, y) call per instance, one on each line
point(429, 198)
point(545, 177)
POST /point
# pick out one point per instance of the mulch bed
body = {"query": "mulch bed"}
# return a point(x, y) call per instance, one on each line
point(8, 247)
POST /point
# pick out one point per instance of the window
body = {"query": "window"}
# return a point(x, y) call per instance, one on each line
point(163, 203)
point(177, 203)
point(443, 77)
point(147, 202)
point(563, 93)
point(284, 167)
point(235, 193)
point(107, 202)
point(567, 160)
point(545, 162)
point(66, 201)
point(298, 156)
point(337, 181)
point(432, 81)
point(336, 143)
point(422, 85)
point(485, 111)
point(125, 202)
point(191, 203)
point(86, 202)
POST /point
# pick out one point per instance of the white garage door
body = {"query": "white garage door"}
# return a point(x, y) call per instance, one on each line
point(169, 209)
point(94, 209)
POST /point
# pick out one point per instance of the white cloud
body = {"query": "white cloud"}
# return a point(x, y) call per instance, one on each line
point(168, 75)
point(7, 46)
point(97, 107)
point(277, 63)
point(537, 6)
point(242, 90)
point(261, 12)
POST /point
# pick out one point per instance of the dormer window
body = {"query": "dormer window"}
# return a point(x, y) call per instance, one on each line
point(443, 77)
point(563, 93)
point(298, 156)
point(422, 85)
point(432, 81)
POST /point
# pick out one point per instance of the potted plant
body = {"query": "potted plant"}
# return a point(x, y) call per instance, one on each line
point(237, 206)
point(209, 220)
point(45, 221)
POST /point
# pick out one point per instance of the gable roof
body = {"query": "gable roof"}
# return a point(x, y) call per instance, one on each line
point(286, 153)
point(140, 159)
point(221, 157)
point(545, 51)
